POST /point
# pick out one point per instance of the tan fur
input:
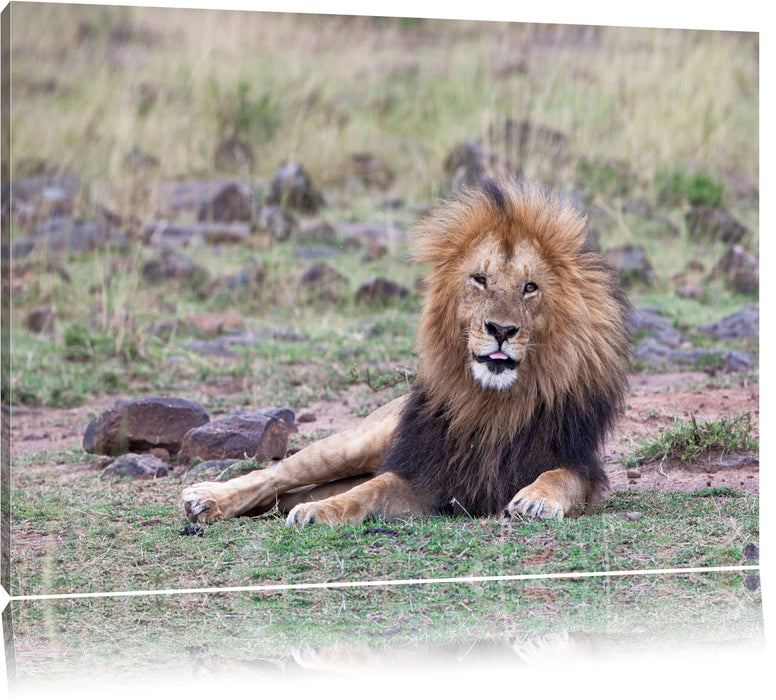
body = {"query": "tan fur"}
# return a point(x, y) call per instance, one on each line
point(554, 494)
point(483, 270)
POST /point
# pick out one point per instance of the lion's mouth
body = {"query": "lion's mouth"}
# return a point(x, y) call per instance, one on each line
point(497, 361)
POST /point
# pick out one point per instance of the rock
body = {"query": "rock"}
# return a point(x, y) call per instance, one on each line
point(742, 324)
point(285, 414)
point(316, 252)
point(60, 235)
point(732, 462)
point(740, 268)
point(646, 319)
point(250, 279)
point(240, 436)
point(632, 263)
point(751, 551)
point(737, 361)
point(716, 223)
point(360, 234)
point(656, 354)
point(471, 162)
point(752, 582)
point(379, 290)
point(214, 348)
point(136, 466)
point(142, 425)
point(40, 320)
point(322, 282)
point(42, 196)
point(291, 188)
point(173, 265)
point(280, 223)
point(171, 234)
point(221, 200)
point(368, 171)
point(233, 202)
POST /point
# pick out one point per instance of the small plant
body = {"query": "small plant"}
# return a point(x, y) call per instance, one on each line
point(678, 185)
point(383, 381)
point(688, 441)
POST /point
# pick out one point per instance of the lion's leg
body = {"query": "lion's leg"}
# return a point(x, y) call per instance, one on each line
point(318, 493)
point(554, 494)
point(353, 452)
point(386, 494)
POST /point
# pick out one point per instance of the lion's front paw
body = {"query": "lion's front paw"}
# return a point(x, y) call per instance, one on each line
point(532, 502)
point(200, 503)
point(314, 512)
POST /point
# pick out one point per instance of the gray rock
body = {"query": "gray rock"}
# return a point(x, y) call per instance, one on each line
point(323, 283)
point(379, 290)
point(60, 235)
point(737, 361)
point(646, 319)
point(732, 462)
point(365, 234)
point(40, 320)
point(370, 171)
point(632, 263)
point(172, 265)
point(742, 324)
point(292, 188)
point(143, 424)
point(173, 234)
point(220, 200)
point(471, 161)
point(740, 268)
point(715, 223)
point(280, 223)
point(136, 466)
point(316, 252)
point(240, 436)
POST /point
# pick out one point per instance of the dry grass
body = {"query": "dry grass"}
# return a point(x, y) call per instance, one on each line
point(167, 81)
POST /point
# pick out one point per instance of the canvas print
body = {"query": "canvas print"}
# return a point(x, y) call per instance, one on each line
point(337, 345)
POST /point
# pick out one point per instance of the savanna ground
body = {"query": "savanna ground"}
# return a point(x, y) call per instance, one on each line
point(652, 110)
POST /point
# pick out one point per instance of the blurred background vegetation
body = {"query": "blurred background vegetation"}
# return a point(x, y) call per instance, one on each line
point(635, 125)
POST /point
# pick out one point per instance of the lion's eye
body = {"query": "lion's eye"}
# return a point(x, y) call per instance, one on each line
point(481, 280)
point(530, 288)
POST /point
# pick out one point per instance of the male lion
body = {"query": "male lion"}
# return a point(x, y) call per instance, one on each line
point(522, 350)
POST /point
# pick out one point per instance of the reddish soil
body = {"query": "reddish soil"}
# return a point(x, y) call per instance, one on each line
point(653, 402)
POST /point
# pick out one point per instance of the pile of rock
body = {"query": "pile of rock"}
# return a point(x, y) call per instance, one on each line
point(147, 436)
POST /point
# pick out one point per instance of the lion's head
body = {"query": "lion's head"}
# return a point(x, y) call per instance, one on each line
point(519, 310)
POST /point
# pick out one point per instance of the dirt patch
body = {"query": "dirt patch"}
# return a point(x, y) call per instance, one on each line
point(653, 402)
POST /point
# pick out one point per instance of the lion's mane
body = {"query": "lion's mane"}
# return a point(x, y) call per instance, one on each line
point(459, 444)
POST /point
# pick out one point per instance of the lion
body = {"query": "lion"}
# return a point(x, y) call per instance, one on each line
point(522, 357)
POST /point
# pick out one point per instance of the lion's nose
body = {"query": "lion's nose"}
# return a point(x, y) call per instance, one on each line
point(499, 332)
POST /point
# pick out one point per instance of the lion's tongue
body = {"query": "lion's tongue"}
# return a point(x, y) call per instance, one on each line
point(498, 356)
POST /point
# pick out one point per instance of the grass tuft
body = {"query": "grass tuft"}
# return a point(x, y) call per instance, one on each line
point(689, 441)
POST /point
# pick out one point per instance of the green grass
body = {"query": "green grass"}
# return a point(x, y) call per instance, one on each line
point(168, 636)
point(687, 441)
point(78, 533)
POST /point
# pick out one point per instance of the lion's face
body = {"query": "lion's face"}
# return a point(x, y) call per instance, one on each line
point(501, 310)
